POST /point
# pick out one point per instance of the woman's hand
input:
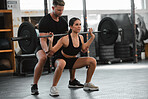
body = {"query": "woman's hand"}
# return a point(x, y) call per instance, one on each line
point(91, 32)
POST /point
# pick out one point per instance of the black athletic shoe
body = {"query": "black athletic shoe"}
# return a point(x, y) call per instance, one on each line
point(75, 84)
point(34, 89)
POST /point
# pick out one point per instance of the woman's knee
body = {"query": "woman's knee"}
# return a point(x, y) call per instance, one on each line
point(92, 61)
point(60, 64)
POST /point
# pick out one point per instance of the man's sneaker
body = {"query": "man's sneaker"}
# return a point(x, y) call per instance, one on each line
point(34, 89)
point(90, 87)
point(75, 84)
point(54, 91)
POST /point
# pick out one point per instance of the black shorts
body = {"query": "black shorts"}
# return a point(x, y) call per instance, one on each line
point(38, 48)
point(69, 61)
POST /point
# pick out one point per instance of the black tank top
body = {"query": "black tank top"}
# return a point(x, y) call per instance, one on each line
point(71, 50)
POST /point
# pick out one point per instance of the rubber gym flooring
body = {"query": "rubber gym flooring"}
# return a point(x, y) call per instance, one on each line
point(115, 81)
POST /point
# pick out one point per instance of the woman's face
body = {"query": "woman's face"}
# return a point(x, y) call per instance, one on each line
point(76, 26)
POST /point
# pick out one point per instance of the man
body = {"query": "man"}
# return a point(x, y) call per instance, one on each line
point(53, 22)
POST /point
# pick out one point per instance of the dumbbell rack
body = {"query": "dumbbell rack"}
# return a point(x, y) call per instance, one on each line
point(6, 31)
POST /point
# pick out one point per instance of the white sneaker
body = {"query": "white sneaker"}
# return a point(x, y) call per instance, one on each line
point(54, 91)
point(90, 87)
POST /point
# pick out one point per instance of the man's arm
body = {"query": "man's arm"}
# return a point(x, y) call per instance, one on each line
point(43, 42)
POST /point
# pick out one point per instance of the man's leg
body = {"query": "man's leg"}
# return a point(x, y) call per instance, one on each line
point(41, 56)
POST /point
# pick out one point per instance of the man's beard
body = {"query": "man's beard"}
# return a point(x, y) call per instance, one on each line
point(56, 15)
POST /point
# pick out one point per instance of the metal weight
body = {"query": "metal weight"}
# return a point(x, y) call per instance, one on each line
point(109, 37)
point(29, 38)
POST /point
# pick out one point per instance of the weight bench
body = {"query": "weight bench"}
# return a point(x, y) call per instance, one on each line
point(27, 62)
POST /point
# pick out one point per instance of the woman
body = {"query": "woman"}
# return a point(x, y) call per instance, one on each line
point(72, 44)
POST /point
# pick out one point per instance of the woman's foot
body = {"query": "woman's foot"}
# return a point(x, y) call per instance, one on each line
point(90, 87)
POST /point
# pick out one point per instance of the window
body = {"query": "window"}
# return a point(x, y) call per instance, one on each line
point(112, 4)
point(90, 4)
point(32, 4)
point(74, 4)
point(102, 4)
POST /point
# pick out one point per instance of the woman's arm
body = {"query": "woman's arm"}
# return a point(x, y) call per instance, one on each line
point(86, 45)
point(55, 48)
point(58, 45)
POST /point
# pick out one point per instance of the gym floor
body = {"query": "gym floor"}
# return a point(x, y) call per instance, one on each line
point(115, 81)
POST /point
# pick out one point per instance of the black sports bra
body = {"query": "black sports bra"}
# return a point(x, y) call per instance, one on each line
point(71, 50)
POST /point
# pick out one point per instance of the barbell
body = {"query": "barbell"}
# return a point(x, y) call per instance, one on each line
point(27, 36)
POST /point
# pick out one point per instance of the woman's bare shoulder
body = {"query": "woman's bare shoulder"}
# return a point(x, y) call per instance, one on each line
point(81, 36)
point(64, 38)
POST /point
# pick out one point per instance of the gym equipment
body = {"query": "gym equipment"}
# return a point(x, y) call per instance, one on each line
point(122, 50)
point(134, 31)
point(122, 22)
point(107, 24)
point(4, 44)
point(142, 30)
point(106, 52)
point(106, 55)
point(26, 64)
point(5, 64)
point(27, 36)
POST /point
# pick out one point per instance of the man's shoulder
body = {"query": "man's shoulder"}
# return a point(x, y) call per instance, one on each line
point(63, 19)
point(45, 21)
point(45, 18)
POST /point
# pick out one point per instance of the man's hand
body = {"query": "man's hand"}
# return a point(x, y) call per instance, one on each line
point(52, 36)
point(49, 53)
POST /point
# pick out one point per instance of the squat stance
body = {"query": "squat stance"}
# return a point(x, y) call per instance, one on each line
point(72, 44)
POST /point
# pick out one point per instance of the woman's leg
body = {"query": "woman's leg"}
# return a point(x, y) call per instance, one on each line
point(59, 64)
point(86, 61)
point(72, 74)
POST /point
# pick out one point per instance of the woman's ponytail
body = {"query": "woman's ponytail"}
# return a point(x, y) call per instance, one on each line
point(69, 31)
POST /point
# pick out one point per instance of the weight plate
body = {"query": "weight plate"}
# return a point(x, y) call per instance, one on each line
point(103, 47)
point(107, 54)
point(122, 55)
point(107, 57)
point(27, 46)
point(106, 50)
point(109, 37)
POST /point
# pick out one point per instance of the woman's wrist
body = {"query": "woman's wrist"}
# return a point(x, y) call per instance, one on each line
point(93, 36)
